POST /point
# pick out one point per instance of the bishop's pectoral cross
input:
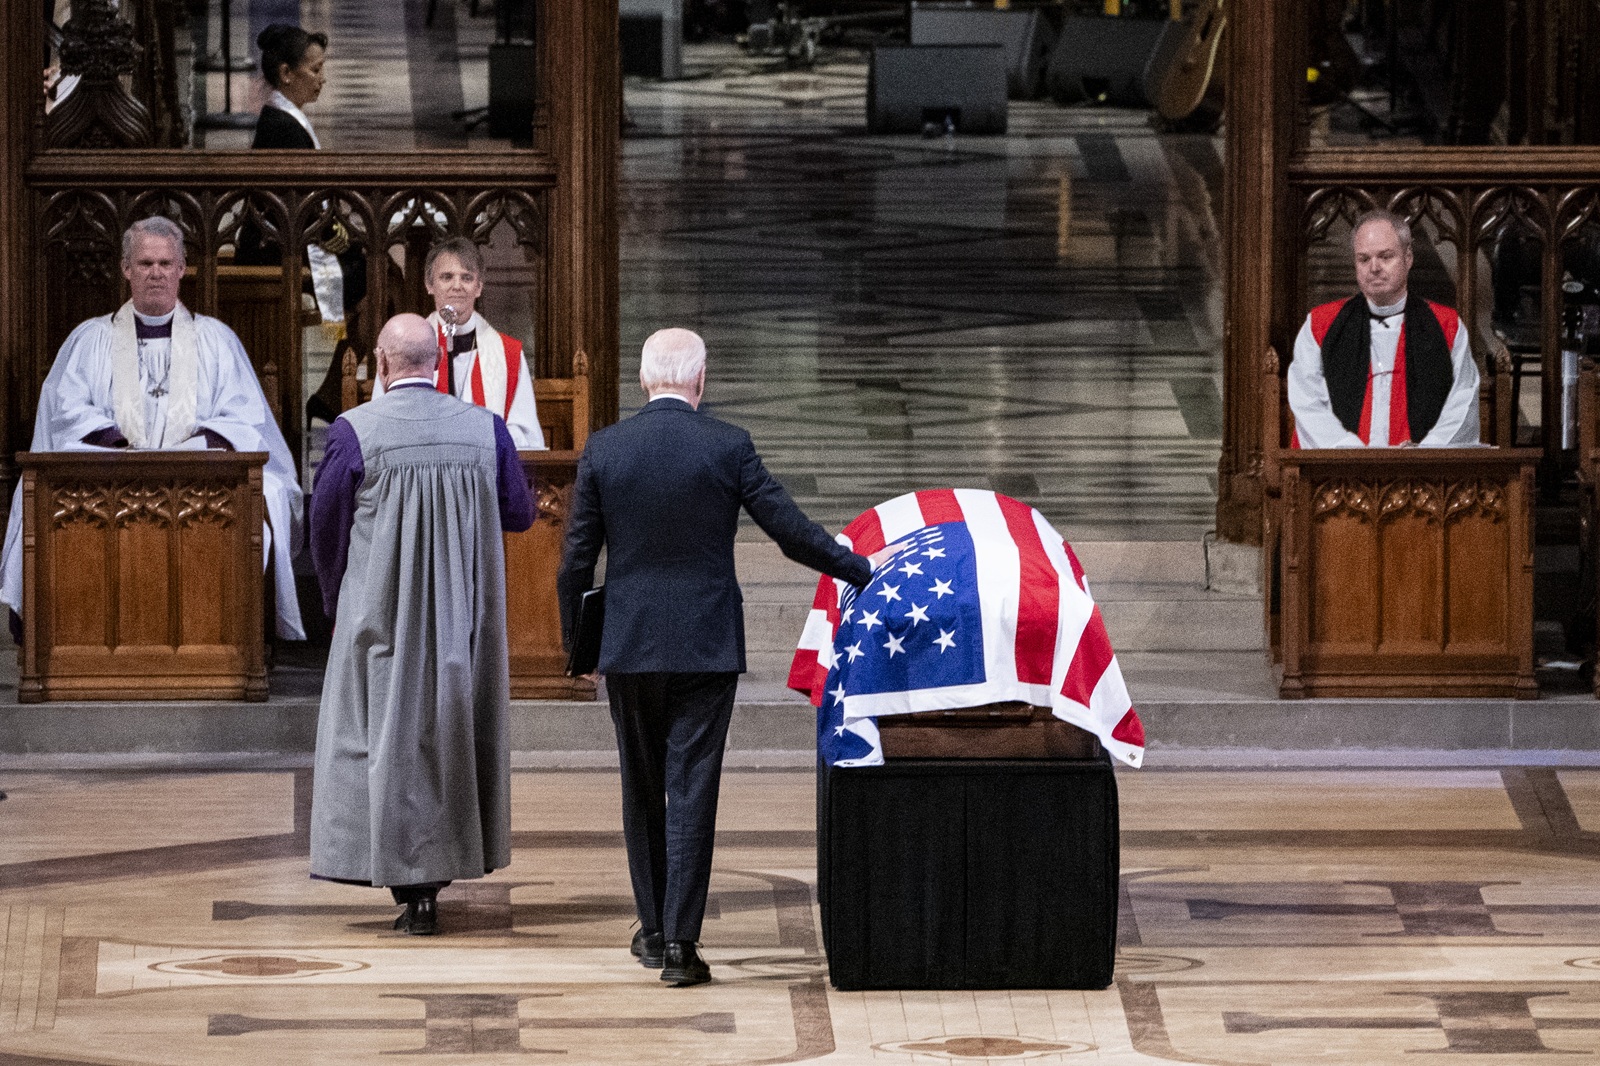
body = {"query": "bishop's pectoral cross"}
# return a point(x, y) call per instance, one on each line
point(157, 389)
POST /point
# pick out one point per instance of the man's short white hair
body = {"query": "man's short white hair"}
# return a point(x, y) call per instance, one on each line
point(672, 360)
point(157, 226)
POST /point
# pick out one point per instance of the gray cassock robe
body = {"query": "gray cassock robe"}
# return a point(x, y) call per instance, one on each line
point(78, 399)
point(412, 781)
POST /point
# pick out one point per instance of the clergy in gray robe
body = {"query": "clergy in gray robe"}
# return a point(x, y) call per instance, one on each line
point(155, 376)
point(412, 782)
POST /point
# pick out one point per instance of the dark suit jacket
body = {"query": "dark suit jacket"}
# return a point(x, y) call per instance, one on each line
point(278, 129)
point(662, 492)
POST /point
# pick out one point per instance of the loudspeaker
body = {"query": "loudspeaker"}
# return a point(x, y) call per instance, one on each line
point(652, 38)
point(910, 86)
point(1103, 58)
point(1027, 37)
point(511, 89)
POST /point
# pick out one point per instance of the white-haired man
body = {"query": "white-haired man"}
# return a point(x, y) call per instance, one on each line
point(661, 492)
point(1379, 369)
point(153, 375)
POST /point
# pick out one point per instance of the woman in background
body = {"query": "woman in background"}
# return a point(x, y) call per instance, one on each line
point(291, 61)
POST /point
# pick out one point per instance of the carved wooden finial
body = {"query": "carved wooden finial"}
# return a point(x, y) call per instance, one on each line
point(580, 364)
point(99, 47)
point(1272, 361)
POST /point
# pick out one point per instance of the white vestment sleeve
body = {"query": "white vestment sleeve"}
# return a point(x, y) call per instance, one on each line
point(232, 404)
point(1458, 421)
point(1314, 420)
point(523, 421)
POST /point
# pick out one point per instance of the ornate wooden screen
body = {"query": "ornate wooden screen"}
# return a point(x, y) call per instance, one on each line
point(383, 201)
point(62, 212)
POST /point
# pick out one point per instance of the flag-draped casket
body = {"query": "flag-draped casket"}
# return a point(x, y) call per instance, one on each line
point(986, 603)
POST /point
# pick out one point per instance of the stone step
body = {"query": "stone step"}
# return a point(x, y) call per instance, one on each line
point(1152, 594)
point(1143, 616)
point(1232, 567)
point(557, 733)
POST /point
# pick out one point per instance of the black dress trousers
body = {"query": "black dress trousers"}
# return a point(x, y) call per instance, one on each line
point(671, 732)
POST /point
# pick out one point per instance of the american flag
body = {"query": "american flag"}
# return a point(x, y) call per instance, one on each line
point(985, 604)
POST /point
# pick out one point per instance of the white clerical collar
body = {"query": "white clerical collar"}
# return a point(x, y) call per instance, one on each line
point(408, 381)
point(470, 325)
point(283, 103)
point(156, 320)
point(670, 396)
point(1386, 312)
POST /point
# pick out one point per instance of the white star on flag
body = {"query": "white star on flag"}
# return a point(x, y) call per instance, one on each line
point(942, 589)
point(896, 644)
point(870, 619)
point(845, 618)
point(934, 553)
point(854, 651)
point(838, 694)
point(911, 569)
point(838, 730)
point(890, 593)
point(918, 613)
point(946, 640)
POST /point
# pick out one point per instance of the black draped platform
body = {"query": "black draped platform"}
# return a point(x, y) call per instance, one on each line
point(956, 874)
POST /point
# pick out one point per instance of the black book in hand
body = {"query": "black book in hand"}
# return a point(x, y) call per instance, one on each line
point(586, 629)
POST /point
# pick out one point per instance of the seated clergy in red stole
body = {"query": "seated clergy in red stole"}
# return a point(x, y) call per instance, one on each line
point(1380, 370)
point(478, 364)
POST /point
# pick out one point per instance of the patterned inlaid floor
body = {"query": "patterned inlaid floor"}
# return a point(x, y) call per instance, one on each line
point(1346, 917)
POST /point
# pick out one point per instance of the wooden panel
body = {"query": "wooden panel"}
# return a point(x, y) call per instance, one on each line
point(1407, 573)
point(1343, 609)
point(1408, 583)
point(533, 613)
point(144, 592)
point(207, 614)
point(142, 576)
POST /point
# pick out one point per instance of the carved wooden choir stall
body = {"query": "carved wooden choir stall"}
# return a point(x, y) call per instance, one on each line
point(73, 180)
point(142, 576)
point(1409, 573)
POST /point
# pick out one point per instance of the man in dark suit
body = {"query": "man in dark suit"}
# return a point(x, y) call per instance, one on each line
point(661, 492)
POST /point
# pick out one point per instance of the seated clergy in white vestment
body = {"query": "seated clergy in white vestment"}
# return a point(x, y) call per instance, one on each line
point(477, 363)
point(1382, 369)
point(155, 376)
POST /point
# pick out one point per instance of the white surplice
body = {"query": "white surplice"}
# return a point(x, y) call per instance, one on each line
point(221, 394)
point(1318, 427)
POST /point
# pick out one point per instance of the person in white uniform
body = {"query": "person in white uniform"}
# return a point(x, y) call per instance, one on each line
point(156, 376)
point(477, 363)
point(1381, 369)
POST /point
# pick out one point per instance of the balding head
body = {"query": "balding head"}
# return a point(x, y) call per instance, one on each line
point(407, 348)
point(673, 363)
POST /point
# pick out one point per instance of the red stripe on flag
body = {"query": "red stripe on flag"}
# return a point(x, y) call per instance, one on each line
point(1038, 598)
point(939, 506)
point(1130, 730)
point(1077, 567)
point(803, 671)
point(865, 533)
point(1089, 661)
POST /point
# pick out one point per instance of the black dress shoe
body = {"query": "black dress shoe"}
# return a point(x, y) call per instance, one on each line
point(420, 919)
point(648, 948)
point(682, 965)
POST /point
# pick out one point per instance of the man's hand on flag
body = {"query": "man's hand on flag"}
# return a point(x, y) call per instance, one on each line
point(884, 554)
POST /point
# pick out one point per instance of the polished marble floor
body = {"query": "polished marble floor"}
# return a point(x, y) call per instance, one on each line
point(1352, 917)
point(1036, 313)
